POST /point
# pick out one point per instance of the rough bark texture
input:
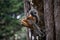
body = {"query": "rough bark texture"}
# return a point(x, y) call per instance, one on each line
point(39, 6)
point(48, 16)
point(25, 11)
point(57, 18)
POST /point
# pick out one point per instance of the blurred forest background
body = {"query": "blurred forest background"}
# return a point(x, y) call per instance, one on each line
point(11, 11)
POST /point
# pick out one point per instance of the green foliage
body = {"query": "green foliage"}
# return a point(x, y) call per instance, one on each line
point(10, 5)
point(22, 33)
point(9, 10)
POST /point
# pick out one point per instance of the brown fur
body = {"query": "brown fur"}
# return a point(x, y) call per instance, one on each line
point(26, 22)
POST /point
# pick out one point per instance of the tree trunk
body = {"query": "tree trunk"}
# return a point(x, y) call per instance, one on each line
point(26, 14)
point(57, 18)
point(48, 17)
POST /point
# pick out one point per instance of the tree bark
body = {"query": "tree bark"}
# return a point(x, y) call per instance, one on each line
point(57, 18)
point(48, 17)
point(25, 11)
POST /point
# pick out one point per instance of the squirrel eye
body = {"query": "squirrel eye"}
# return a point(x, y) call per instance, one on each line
point(34, 12)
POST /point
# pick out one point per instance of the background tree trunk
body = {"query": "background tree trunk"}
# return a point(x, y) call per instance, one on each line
point(48, 17)
point(26, 14)
point(57, 18)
